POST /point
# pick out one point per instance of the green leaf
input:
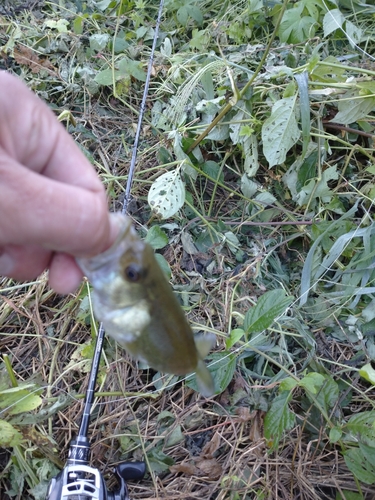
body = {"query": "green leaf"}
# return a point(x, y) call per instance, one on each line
point(9, 436)
point(361, 428)
point(212, 169)
point(105, 77)
point(359, 465)
point(288, 384)
point(182, 14)
point(19, 399)
point(61, 25)
point(335, 434)
point(167, 194)
point(280, 131)
point(78, 25)
point(159, 461)
point(368, 452)
point(103, 4)
point(328, 394)
point(348, 495)
point(234, 337)
point(270, 305)
point(128, 67)
point(98, 41)
point(174, 437)
point(308, 266)
point(307, 170)
point(368, 373)
point(352, 108)
point(312, 382)
point(222, 366)
point(322, 389)
point(303, 87)
point(278, 419)
point(196, 14)
point(332, 21)
point(296, 28)
point(156, 237)
point(353, 33)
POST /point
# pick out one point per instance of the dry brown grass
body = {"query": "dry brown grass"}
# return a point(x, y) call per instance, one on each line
point(223, 453)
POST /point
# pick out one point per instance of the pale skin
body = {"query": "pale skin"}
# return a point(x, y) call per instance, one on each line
point(52, 204)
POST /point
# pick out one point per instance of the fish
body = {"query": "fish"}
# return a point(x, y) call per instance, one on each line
point(134, 301)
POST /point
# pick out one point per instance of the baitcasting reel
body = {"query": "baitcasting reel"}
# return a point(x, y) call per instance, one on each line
point(79, 481)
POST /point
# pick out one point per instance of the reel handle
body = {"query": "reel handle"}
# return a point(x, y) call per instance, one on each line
point(126, 471)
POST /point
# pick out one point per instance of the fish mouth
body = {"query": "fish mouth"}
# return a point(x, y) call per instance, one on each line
point(104, 261)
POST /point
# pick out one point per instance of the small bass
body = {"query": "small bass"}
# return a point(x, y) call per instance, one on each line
point(135, 303)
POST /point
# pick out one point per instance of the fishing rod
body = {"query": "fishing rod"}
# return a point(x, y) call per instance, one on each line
point(78, 480)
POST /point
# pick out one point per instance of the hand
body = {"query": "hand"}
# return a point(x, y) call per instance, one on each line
point(52, 204)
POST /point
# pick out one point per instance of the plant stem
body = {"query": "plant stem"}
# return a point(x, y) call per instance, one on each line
point(243, 91)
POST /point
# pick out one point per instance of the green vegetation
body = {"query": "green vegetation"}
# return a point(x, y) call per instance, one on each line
point(256, 157)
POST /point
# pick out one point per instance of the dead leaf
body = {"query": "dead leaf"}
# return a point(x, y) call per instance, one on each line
point(27, 57)
point(188, 469)
point(256, 429)
point(211, 447)
point(244, 414)
point(210, 468)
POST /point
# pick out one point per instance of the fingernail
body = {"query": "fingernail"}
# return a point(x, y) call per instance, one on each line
point(117, 222)
point(6, 264)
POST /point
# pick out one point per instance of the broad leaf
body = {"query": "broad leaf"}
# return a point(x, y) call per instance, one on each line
point(280, 131)
point(279, 419)
point(332, 21)
point(368, 373)
point(323, 388)
point(295, 27)
point(348, 495)
point(312, 382)
point(159, 461)
point(359, 465)
point(360, 428)
point(157, 238)
point(352, 107)
point(9, 436)
point(222, 367)
point(235, 335)
point(270, 305)
point(19, 399)
point(167, 194)
point(308, 266)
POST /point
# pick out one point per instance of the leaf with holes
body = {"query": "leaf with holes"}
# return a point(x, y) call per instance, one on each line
point(280, 131)
point(167, 194)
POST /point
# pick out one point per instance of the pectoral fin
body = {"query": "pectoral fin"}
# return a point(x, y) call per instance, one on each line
point(206, 385)
point(204, 344)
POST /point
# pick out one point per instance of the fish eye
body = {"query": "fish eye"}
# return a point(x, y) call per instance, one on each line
point(133, 273)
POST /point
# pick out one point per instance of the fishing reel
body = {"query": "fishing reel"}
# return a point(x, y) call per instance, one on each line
point(79, 481)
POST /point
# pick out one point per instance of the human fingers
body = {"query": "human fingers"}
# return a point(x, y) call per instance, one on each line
point(23, 263)
point(64, 275)
point(31, 134)
point(36, 210)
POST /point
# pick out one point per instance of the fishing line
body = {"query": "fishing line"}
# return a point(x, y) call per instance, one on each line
point(142, 112)
point(352, 42)
point(90, 392)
